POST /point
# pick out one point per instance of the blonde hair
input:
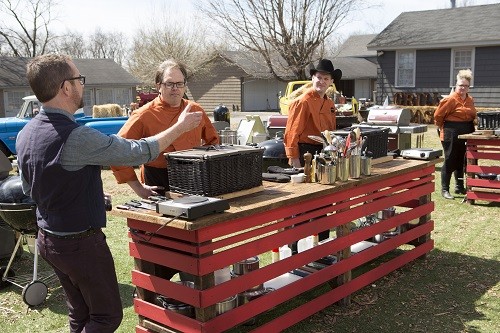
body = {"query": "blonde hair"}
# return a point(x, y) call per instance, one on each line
point(464, 74)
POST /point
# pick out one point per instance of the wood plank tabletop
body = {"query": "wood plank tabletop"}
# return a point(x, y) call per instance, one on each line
point(275, 195)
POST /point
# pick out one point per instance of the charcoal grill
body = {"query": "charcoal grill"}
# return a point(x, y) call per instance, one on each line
point(22, 218)
point(397, 120)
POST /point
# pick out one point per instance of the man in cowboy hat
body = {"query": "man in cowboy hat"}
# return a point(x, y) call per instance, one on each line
point(310, 114)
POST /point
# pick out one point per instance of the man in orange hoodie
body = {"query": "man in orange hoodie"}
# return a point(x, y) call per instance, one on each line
point(310, 114)
point(156, 116)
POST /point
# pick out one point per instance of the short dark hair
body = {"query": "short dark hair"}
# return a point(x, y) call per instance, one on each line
point(45, 74)
point(167, 64)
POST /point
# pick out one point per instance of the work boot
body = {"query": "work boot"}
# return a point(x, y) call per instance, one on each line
point(460, 190)
point(446, 194)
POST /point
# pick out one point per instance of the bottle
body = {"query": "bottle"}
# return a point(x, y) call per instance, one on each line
point(305, 244)
point(275, 255)
point(315, 240)
point(313, 168)
point(285, 252)
point(307, 166)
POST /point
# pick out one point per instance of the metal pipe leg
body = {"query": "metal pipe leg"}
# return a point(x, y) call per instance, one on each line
point(35, 263)
point(12, 257)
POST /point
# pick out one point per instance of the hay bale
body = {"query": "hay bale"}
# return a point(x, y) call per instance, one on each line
point(107, 110)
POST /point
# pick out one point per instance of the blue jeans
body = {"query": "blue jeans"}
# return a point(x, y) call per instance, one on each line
point(87, 274)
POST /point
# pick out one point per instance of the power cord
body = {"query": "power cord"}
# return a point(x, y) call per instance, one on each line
point(150, 235)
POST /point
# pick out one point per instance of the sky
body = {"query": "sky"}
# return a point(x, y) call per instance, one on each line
point(128, 15)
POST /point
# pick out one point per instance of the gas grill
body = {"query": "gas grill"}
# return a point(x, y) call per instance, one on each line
point(397, 120)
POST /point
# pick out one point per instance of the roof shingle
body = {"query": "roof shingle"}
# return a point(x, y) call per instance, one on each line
point(453, 27)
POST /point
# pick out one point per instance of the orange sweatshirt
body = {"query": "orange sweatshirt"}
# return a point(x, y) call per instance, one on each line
point(453, 108)
point(155, 117)
point(307, 115)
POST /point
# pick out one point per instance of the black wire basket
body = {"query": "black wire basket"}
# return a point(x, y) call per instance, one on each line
point(376, 139)
point(215, 170)
point(488, 120)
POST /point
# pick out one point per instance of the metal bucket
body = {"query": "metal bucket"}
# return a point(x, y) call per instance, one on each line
point(355, 166)
point(327, 174)
point(226, 305)
point(228, 137)
point(245, 266)
point(366, 166)
point(343, 169)
point(386, 213)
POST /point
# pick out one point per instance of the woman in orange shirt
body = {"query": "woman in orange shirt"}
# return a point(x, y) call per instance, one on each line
point(454, 116)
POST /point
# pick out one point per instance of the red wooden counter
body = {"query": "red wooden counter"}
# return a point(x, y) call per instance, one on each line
point(278, 215)
point(482, 147)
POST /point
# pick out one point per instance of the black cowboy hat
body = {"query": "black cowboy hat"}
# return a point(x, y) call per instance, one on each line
point(326, 66)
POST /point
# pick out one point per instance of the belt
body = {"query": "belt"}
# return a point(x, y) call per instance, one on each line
point(79, 235)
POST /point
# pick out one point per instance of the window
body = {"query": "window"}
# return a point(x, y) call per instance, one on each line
point(32, 109)
point(104, 96)
point(122, 96)
point(405, 68)
point(461, 59)
point(13, 101)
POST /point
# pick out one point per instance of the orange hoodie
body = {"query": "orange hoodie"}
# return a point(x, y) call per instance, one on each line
point(307, 115)
point(155, 117)
point(453, 108)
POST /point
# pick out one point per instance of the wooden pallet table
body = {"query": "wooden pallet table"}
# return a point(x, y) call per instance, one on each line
point(280, 214)
point(482, 148)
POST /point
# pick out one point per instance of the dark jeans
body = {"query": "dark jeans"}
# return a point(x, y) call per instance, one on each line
point(308, 148)
point(454, 152)
point(87, 274)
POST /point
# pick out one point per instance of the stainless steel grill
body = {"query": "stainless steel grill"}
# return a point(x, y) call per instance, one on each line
point(398, 121)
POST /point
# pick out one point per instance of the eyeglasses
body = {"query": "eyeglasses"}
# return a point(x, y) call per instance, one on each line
point(80, 78)
point(170, 85)
point(463, 85)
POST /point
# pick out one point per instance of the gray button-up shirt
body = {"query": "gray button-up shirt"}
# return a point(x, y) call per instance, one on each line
point(88, 146)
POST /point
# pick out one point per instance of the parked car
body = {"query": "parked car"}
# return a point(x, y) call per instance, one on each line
point(10, 126)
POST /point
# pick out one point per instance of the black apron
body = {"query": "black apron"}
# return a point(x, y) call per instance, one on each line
point(453, 147)
point(156, 177)
point(308, 147)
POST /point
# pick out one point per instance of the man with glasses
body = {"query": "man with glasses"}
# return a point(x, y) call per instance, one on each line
point(60, 167)
point(155, 116)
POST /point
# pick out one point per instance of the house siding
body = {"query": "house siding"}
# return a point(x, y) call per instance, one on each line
point(262, 95)
point(433, 76)
point(433, 69)
point(487, 70)
point(222, 86)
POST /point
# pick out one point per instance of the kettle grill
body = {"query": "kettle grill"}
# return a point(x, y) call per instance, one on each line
point(22, 218)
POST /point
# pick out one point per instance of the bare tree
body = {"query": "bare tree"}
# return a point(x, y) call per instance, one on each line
point(151, 46)
point(73, 44)
point(286, 34)
point(109, 45)
point(26, 32)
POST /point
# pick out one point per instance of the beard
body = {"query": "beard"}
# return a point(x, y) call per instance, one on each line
point(81, 104)
point(77, 99)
